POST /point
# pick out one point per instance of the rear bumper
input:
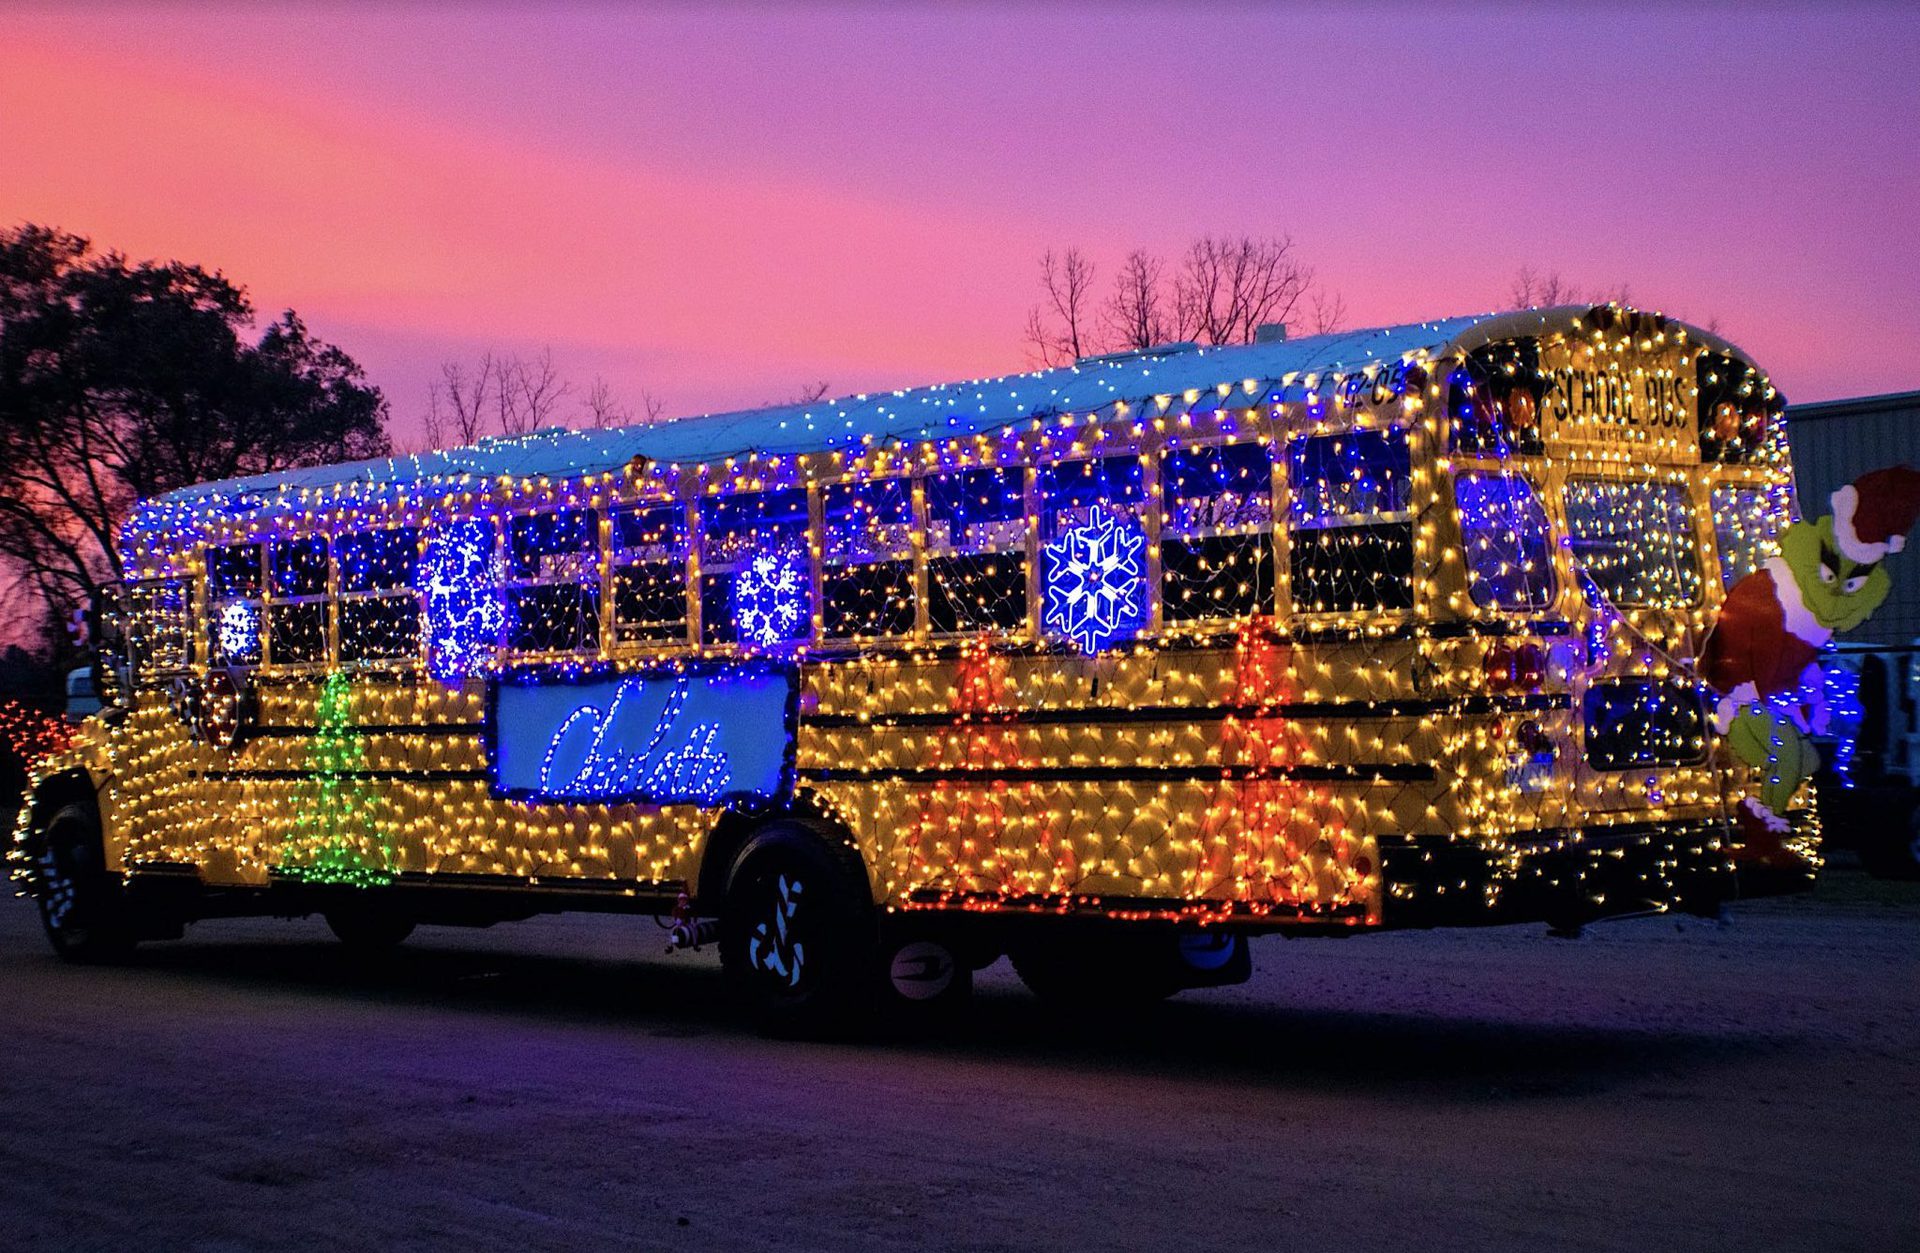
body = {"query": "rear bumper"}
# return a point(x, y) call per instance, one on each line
point(1564, 878)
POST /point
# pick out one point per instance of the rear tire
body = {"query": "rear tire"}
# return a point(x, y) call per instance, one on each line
point(1108, 970)
point(81, 903)
point(368, 932)
point(1124, 966)
point(799, 936)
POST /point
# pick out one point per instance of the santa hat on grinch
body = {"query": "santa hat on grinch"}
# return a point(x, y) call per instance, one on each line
point(1872, 514)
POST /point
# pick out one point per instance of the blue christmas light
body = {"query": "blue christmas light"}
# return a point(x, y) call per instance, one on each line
point(769, 597)
point(459, 577)
point(1096, 586)
point(1841, 686)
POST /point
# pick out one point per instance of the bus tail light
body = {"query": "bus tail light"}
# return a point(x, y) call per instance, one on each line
point(1511, 667)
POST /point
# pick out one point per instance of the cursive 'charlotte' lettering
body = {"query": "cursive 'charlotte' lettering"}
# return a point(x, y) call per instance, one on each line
point(694, 771)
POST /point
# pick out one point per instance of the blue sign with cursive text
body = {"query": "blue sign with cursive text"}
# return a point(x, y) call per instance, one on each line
point(704, 733)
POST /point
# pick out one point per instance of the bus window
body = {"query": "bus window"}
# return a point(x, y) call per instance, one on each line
point(1072, 492)
point(379, 609)
point(1504, 531)
point(1746, 529)
point(233, 604)
point(1635, 538)
point(650, 574)
point(1351, 522)
point(977, 551)
point(756, 579)
point(1094, 550)
point(157, 634)
point(1216, 543)
point(297, 610)
point(553, 599)
point(866, 577)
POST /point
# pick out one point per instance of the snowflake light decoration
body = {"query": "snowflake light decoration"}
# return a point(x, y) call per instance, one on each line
point(1096, 585)
point(770, 597)
point(239, 629)
point(459, 576)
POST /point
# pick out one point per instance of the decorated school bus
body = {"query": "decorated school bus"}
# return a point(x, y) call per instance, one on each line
point(1104, 668)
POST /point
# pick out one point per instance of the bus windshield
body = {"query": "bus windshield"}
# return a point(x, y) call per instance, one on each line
point(1635, 539)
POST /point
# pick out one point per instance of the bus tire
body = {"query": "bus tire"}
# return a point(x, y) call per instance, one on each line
point(799, 936)
point(1109, 969)
point(81, 903)
point(368, 932)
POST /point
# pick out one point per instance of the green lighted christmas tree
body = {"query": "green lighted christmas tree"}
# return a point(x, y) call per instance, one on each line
point(334, 837)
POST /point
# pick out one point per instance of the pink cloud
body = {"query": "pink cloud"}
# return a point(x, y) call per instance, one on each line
point(722, 206)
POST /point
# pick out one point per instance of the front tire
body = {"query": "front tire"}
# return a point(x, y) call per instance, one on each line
point(81, 904)
point(369, 932)
point(798, 931)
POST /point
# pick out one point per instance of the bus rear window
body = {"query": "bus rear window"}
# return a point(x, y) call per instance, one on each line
point(1504, 532)
point(1352, 545)
point(1635, 539)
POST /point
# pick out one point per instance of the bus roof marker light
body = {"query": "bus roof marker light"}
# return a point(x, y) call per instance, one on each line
point(1096, 586)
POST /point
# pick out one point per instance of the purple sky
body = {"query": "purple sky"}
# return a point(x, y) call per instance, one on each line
point(721, 207)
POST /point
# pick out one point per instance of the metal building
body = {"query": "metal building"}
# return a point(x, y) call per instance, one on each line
point(1836, 441)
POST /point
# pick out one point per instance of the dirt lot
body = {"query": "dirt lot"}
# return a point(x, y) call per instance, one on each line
point(559, 1085)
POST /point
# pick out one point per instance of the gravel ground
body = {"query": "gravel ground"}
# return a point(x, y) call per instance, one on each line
point(1655, 1084)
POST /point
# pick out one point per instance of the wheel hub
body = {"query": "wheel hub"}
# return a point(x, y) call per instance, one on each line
point(775, 947)
point(56, 889)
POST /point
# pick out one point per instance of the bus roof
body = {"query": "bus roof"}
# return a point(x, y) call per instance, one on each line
point(1283, 368)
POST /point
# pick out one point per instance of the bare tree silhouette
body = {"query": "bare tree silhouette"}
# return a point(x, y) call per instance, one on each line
point(1227, 288)
point(1059, 329)
point(515, 395)
point(1223, 290)
point(1135, 313)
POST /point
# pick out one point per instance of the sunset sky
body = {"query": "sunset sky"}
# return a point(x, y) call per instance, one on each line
point(723, 206)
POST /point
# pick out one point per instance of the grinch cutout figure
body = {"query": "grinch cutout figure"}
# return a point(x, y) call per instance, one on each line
point(1760, 656)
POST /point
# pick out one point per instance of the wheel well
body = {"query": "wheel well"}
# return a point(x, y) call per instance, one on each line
point(69, 787)
point(733, 831)
point(54, 793)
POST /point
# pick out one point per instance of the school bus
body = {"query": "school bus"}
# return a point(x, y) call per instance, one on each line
point(1104, 668)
